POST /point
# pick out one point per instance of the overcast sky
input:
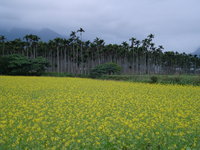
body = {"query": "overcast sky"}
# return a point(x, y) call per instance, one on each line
point(175, 23)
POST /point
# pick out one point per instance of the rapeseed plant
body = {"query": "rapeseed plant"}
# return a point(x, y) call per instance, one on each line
point(74, 113)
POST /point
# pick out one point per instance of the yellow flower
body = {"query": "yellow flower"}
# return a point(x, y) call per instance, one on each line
point(75, 113)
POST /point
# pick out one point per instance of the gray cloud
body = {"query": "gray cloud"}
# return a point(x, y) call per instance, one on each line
point(175, 23)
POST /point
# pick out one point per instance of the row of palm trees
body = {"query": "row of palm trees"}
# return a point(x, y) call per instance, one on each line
point(73, 55)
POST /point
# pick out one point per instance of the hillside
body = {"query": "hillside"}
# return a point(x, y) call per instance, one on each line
point(45, 34)
point(197, 52)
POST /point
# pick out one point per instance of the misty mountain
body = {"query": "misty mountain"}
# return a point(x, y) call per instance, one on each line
point(197, 52)
point(44, 34)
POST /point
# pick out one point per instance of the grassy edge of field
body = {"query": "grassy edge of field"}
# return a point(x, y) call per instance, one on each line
point(161, 79)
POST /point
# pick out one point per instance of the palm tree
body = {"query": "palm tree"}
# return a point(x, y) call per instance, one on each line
point(87, 56)
point(98, 44)
point(31, 44)
point(27, 40)
point(133, 42)
point(73, 40)
point(59, 45)
point(35, 40)
point(150, 36)
point(81, 31)
point(66, 55)
point(125, 48)
point(51, 47)
point(2, 40)
point(17, 46)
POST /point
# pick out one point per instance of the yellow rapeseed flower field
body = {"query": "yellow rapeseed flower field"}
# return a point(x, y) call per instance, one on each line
point(73, 113)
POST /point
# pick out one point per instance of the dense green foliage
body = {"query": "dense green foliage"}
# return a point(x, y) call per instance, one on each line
point(103, 69)
point(21, 65)
point(38, 65)
point(14, 65)
point(154, 79)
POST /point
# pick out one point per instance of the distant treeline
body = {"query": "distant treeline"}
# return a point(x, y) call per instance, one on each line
point(76, 56)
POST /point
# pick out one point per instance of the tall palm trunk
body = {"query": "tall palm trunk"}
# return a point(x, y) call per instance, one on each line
point(58, 60)
point(65, 60)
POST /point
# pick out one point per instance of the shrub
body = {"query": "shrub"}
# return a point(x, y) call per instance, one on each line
point(154, 79)
point(105, 69)
point(20, 65)
point(196, 81)
point(174, 80)
point(14, 65)
point(38, 65)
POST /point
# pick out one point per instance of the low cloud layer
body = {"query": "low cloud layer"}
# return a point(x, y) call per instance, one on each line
point(175, 23)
